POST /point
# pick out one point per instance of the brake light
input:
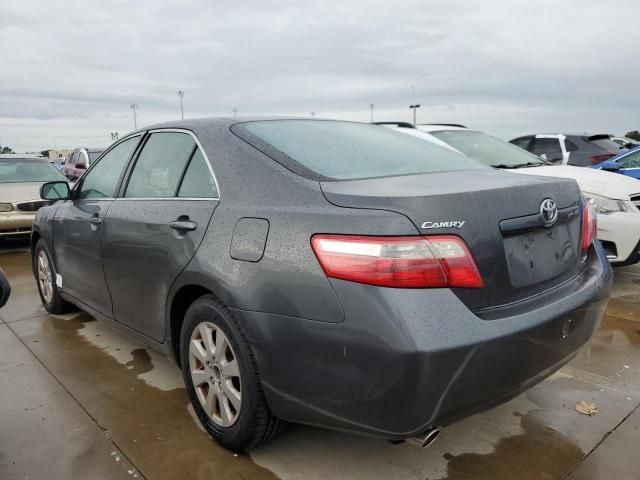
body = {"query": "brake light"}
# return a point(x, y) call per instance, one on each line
point(402, 262)
point(600, 158)
point(589, 225)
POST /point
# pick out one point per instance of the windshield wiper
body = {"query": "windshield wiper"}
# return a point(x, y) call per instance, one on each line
point(517, 165)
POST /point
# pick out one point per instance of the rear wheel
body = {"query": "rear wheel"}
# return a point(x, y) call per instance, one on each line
point(222, 379)
point(45, 276)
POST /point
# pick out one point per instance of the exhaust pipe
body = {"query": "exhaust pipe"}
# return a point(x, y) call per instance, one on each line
point(428, 438)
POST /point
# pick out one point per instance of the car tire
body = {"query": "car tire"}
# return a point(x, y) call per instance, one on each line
point(237, 426)
point(45, 278)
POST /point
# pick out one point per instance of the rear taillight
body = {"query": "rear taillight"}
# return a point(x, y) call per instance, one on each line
point(600, 158)
point(589, 225)
point(402, 262)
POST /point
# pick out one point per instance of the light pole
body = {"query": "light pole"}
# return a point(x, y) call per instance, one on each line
point(133, 107)
point(181, 95)
point(235, 113)
point(414, 107)
point(371, 107)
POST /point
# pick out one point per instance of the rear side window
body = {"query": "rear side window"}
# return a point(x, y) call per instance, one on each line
point(570, 146)
point(332, 150)
point(197, 181)
point(159, 167)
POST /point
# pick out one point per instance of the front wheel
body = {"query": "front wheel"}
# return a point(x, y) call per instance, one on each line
point(222, 379)
point(47, 287)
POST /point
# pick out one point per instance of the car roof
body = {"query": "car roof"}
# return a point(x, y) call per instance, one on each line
point(22, 156)
point(437, 127)
point(90, 149)
point(583, 134)
point(203, 123)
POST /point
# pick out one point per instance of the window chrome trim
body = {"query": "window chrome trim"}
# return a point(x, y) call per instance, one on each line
point(204, 199)
point(204, 154)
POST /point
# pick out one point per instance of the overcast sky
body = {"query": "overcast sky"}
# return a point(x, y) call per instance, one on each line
point(70, 70)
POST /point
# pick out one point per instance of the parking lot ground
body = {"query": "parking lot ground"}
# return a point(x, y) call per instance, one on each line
point(82, 401)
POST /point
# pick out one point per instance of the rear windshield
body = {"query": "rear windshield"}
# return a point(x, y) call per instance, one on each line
point(606, 144)
point(17, 171)
point(487, 149)
point(94, 155)
point(335, 150)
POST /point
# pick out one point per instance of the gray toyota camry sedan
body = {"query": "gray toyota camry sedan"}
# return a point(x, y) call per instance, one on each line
point(332, 273)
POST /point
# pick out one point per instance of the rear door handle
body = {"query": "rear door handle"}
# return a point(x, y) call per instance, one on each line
point(183, 225)
point(95, 220)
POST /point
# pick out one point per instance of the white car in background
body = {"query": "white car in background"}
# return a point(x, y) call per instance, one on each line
point(616, 197)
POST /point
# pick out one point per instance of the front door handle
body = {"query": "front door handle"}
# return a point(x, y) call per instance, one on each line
point(183, 225)
point(95, 220)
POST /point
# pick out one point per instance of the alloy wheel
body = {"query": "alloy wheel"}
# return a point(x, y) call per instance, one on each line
point(45, 277)
point(215, 374)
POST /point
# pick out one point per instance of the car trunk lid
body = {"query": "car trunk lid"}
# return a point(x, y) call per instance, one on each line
point(497, 214)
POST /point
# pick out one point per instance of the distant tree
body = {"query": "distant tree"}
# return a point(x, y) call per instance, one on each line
point(6, 150)
point(45, 153)
point(634, 135)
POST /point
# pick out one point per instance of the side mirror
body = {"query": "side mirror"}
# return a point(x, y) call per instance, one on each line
point(610, 166)
point(5, 289)
point(55, 191)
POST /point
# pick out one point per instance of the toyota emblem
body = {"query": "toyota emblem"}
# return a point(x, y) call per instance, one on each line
point(548, 212)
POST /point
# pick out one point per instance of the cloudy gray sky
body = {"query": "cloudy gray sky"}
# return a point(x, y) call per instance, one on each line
point(70, 69)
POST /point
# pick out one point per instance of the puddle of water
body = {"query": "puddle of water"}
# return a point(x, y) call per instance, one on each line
point(151, 425)
point(537, 453)
point(162, 373)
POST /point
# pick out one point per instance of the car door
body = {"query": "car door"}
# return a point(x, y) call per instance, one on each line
point(630, 164)
point(78, 226)
point(155, 227)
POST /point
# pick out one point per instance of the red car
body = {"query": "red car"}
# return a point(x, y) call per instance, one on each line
point(78, 161)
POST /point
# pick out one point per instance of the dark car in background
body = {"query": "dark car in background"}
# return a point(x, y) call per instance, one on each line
point(326, 272)
point(78, 161)
point(581, 150)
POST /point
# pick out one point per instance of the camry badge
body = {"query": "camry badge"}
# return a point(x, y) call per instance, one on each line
point(548, 212)
point(449, 224)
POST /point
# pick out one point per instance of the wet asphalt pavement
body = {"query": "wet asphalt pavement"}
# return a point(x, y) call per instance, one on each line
point(78, 400)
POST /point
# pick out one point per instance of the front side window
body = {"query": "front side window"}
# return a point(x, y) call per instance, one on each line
point(159, 167)
point(334, 150)
point(102, 179)
point(73, 158)
point(550, 147)
point(630, 161)
point(197, 181)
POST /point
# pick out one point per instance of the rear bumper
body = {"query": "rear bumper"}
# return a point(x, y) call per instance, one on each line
point(405, 360)
point(16, 223)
